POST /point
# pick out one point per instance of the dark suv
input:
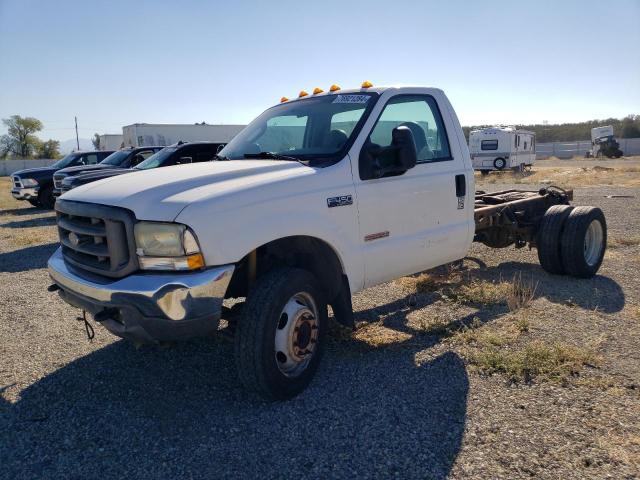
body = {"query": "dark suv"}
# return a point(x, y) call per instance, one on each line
point(35, 185)
point(126, 158)
point(176, 154)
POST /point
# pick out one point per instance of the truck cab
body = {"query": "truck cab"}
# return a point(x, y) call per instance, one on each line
point(318, 198)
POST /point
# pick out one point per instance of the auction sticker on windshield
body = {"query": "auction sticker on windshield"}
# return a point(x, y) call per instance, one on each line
point(351, 99)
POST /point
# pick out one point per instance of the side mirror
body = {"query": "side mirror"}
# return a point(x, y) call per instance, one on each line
point(397, 158)
point(185, 160)
point(407, 155)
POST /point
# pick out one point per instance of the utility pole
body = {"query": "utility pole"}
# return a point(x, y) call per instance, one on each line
point(77, 139)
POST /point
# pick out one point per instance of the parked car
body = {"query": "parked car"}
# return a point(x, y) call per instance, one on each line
point(179, 153)
point(35, 185)
point(316, 199)
point(125, 158)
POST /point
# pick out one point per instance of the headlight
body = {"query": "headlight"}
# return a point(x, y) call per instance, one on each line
point(29, 182)
point(167, 246)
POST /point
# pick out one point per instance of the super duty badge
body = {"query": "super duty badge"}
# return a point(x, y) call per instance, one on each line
point(340, 201)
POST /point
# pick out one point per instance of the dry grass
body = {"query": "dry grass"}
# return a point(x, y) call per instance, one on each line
point(25, 237)
point(431, 282)
point(481, 292)
point(377, 335)
point(570, 176)
point(6, 200)
point(629, 241)
point(535, 359)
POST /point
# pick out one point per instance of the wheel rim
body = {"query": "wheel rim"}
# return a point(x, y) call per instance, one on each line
point(593, 243)
point(296, 336)
point(500, 163)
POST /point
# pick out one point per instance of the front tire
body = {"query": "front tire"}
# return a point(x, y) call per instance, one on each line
point(584, 241)
point(46, 198)
point(280, 335)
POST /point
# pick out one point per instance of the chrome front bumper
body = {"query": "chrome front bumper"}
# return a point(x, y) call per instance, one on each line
point(147, 307)
point(25, 193)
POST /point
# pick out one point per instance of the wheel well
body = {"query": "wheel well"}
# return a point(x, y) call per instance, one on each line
point(309, 253)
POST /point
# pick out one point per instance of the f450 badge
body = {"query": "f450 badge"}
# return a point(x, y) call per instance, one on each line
point(340, 201)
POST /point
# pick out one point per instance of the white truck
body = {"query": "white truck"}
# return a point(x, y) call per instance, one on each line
point(499, 148)
point(318, 198)
point(148, 134)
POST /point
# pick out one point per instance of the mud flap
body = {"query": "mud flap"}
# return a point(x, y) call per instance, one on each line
point(341, 305)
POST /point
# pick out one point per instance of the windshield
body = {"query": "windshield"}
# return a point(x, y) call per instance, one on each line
point(116, 158)
point(157, 159)
point(64, 162)
point(317, 129)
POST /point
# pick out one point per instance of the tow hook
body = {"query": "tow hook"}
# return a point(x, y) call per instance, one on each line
point(106, 314)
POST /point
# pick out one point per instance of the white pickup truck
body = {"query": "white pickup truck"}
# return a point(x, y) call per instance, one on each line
point(318, 198)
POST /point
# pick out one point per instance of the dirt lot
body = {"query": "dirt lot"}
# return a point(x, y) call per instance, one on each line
point(494, 369)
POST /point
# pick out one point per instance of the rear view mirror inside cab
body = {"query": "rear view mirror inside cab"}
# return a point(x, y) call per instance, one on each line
point(184, 160)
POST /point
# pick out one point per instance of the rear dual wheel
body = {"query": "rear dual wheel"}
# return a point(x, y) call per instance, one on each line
point(279, 337)
point(572, 240)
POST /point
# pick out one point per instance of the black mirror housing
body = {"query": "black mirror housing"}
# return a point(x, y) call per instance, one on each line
point(407, 154)
point(397, 158)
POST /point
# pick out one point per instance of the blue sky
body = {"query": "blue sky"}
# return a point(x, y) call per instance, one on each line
point(121, 62)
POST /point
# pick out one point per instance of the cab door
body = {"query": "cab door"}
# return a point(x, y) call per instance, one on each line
point(419, 219)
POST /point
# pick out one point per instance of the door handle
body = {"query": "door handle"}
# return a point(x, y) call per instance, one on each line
point(461, 185)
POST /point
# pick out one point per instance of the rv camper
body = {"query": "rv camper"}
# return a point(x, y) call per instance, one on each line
point(500, 148)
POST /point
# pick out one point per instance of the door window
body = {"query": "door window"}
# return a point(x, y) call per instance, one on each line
point(421, 115)
point(90, 159)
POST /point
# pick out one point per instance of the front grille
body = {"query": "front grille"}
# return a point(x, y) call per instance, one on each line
point(97, 238)
point(17, 182)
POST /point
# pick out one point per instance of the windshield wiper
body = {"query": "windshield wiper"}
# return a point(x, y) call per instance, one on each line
point(273, 156)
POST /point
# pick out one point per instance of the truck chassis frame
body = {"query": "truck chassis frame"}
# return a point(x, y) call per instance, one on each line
point(513, 216)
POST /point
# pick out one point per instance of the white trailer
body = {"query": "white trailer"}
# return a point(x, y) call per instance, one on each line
point(148, 134)
point(110, 141)
point(500, 148)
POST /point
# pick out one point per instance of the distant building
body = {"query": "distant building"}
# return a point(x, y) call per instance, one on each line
point(146, 134)
point(111, 141)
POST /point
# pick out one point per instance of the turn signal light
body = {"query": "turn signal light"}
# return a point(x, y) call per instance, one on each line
point(195, 261)
point(367, 84)
point(284, 99)
point(317, 90)
point(334, 88)
point(302, 94)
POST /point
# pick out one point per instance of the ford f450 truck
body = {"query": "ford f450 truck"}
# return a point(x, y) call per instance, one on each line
point(318, 198)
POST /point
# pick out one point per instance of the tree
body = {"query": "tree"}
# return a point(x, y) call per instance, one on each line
point(19, 140)
point(96, 141)
point(49, 149)
point(630, 127)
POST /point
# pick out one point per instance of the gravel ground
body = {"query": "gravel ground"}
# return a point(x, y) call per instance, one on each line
point(404, 403)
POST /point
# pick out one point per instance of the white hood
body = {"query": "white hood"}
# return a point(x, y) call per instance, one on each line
point(161, 193)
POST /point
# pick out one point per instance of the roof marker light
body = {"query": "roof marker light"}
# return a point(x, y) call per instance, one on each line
point(302, 94)
point(284, 99)
point(334, 88)
point(317, 90)
point(367, 84)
